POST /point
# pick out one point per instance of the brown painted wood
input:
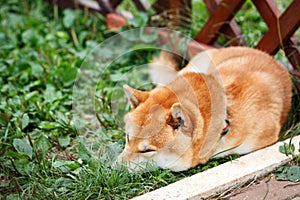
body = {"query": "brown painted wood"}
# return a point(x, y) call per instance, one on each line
point(290, 19)
point(139, 5)
point(231, 31)
point(272, 16)
point(72, 4)
point(115, 3)
point(222, 15)
point(281, 26)
point(212, 5)
point(106, 7)
point(292, 52)
point(287, 23)
point(268, 11)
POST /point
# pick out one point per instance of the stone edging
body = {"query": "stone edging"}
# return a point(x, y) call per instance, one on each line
point(225, 176)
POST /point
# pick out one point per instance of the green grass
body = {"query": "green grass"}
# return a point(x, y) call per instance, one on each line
point(44, 154)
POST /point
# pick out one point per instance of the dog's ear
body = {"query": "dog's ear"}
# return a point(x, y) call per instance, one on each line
point(178, 118)
point(134, 96)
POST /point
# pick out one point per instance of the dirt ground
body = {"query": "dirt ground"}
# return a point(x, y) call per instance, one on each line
point(267, 188)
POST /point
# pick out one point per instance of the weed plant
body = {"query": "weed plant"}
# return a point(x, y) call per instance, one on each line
point(43, 153)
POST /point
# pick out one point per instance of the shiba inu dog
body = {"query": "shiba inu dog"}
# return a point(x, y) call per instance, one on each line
point(225, 101)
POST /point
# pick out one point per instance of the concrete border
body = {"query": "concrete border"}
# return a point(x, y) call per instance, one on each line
point(225, 176)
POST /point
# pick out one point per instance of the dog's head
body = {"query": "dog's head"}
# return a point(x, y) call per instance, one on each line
point(158, 129)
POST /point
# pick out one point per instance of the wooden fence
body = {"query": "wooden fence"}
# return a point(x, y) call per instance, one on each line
point(281, 26)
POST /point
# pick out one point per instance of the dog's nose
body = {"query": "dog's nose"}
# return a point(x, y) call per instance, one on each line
point(115, 165)
point(120, 161)
point(121, 158)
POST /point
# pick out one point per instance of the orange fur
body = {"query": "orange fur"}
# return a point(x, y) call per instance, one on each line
point(179, 125)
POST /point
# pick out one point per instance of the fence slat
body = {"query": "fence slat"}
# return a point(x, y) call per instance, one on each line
point(223, 14)
point(292, 52)
point(231, 31)
point(268, 11)
point(286, 25)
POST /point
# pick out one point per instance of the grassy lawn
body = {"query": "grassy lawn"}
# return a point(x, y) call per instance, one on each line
point(44, 154)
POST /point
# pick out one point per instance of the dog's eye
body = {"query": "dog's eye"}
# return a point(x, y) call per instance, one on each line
point(148, 150)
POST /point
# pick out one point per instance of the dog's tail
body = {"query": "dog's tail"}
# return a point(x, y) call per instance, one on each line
point(164, 68)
